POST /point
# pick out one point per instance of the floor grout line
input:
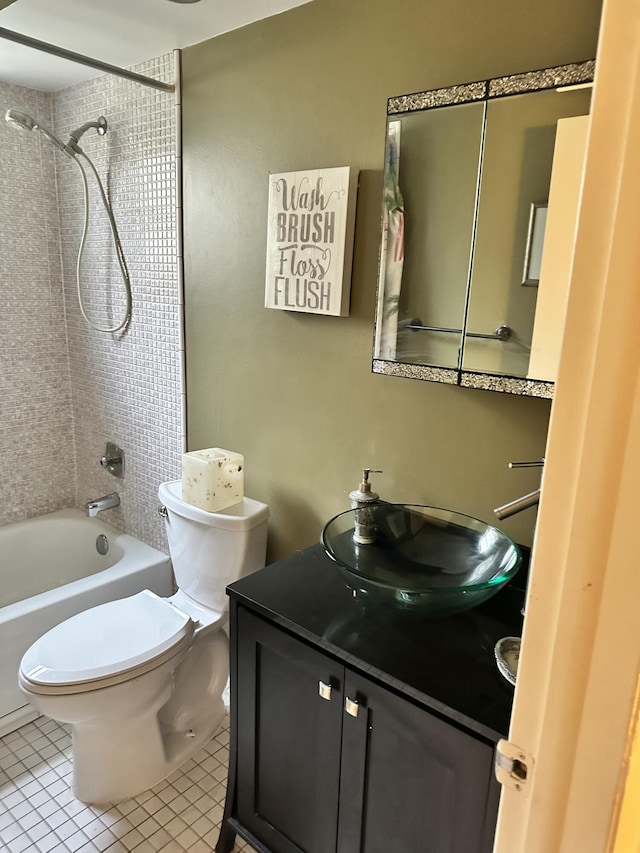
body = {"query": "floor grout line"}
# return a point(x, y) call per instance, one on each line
point(39, 814)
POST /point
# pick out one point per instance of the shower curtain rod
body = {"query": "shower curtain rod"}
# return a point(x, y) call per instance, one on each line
point(45, 47)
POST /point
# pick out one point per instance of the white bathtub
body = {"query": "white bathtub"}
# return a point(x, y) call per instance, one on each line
point(50, 569)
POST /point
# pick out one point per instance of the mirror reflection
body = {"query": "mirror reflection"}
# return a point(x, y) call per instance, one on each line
point(472, 177)
point(429, 202)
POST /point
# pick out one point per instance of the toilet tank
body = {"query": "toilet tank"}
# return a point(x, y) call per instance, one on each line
point(212, 549)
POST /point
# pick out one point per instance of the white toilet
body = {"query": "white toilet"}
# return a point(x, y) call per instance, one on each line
point(141, 679)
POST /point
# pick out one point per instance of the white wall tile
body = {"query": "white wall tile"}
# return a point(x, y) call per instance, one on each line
point(77, 385)
point(36, 425)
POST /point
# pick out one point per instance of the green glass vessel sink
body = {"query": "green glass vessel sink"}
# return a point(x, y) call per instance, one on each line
point(421, 556)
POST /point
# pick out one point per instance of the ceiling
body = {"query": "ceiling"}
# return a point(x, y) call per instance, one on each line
point(119, 32)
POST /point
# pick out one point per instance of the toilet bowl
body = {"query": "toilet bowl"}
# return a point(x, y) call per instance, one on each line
point(140, 680)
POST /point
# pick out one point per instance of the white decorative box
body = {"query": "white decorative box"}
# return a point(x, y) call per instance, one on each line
point(212, 479)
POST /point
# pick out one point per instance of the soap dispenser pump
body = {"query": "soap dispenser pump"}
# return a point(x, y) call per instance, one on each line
point(363, 495)
point(362, 500)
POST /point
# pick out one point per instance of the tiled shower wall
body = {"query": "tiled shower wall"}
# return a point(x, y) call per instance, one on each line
point(37, 460)
point(122, 387)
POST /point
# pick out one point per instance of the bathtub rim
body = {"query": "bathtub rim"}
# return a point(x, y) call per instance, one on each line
point(153, 566)
point(129, 545)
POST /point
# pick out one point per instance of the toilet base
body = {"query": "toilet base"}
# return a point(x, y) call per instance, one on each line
point(127, 772)
point(117, 759)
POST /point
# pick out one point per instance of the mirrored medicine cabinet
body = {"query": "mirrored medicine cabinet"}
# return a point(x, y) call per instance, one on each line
point(480, 198)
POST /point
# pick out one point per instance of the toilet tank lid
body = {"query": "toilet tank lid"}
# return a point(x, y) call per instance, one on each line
point(244, 515)
point(111, 638)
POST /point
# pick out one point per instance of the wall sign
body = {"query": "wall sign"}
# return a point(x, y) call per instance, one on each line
point(310, 240)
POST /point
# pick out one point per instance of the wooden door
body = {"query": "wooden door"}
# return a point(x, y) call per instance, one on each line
point(578, 669)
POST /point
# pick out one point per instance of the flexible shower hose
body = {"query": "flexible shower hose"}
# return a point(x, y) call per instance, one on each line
point(116, 243)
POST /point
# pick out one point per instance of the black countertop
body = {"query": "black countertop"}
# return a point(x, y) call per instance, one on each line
point(444, 662)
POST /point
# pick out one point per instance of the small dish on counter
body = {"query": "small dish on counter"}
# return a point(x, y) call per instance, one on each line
point(507, 652)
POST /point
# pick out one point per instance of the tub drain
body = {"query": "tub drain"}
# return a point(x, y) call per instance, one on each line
point(102, 544)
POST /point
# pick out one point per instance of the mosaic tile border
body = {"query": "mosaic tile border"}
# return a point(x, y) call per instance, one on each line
point(495, 87)
point(415, 371)
point(507, 384)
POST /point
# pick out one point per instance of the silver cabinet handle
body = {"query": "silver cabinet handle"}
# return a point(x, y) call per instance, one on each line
point(351, 706)
point(324, 690)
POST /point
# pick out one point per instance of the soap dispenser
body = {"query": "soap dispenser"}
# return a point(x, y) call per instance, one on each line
point(362, 500)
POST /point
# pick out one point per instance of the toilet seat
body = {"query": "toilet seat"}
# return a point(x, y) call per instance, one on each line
point(107, 644)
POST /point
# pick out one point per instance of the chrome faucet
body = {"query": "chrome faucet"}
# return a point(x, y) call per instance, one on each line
point(92, 508)
point(530, 499)
point(508, 647)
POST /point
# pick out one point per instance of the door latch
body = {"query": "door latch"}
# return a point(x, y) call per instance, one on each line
point(513, 766)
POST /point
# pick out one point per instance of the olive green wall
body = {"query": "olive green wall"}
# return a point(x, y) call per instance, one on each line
point(294, 392)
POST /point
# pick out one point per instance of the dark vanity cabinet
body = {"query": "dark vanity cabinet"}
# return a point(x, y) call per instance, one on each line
point(288, 750)
point(337, 749)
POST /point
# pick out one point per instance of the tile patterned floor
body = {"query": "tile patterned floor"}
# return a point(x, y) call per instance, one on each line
point(38, 812)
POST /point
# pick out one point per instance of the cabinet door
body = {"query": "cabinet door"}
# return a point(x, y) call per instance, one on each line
point(410, 781)
point(288, 739)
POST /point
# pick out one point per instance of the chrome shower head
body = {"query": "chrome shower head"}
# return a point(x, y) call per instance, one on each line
point(22, 121)
point(19, 121)
point(74, 137)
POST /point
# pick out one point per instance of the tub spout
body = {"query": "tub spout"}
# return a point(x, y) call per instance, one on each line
point(92, 508)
